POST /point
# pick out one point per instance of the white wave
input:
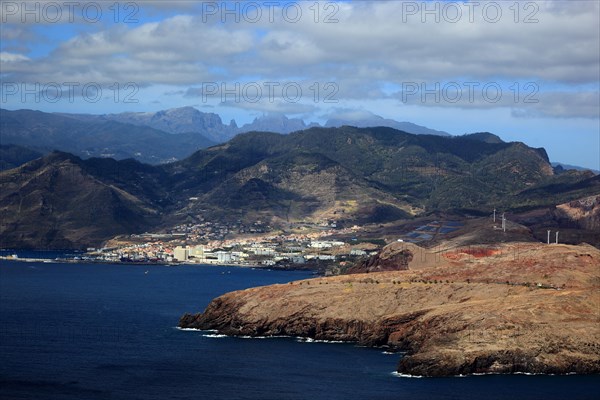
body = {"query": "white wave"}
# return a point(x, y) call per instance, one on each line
point(399, 375)
point(508, 373)
point(214, 335)
point(513, 373)
point(189, 329)
point(263, 337)
point(536, 374)
point(311, 340)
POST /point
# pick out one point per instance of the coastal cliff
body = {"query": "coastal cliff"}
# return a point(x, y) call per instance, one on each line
point(519, 307)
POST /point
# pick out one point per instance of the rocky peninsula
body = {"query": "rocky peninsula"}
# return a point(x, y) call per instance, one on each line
point(510, 308)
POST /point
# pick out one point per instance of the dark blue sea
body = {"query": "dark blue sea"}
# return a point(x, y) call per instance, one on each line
point(84, 331)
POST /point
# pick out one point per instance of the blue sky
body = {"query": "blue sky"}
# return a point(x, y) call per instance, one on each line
point(527, 71)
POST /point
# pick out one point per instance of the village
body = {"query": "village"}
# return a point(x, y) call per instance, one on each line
point(307, 246)
point(323, 245)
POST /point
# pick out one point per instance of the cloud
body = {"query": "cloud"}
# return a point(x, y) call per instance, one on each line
point(371, 47)
point(7, 57)
point(349, 114)
point(173, 51)
point(12, 62)
point(524, 99)
point(278, 107)
point(563, 105)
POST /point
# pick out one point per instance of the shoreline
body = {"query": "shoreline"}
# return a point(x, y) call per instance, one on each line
point(82, 261)
point(215, 334)
point(146, 263)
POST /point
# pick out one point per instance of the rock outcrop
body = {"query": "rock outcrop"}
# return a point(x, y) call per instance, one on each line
point(395, 257)
point(522, 307)
point(585, 212)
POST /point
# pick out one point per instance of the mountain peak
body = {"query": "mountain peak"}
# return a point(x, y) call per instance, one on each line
point(180, 120)
point(279, 123)
point(369, 120)
point(486, 137)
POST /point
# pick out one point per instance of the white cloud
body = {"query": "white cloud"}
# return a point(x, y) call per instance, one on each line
point(373, 45)
point(348, 114)
point(7, 57)
point(11, 62)
point(279, 107)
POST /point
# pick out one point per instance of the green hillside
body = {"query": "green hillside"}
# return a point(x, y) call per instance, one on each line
point(348, 175)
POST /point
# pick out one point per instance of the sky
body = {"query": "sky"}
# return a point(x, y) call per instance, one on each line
point(525, 70)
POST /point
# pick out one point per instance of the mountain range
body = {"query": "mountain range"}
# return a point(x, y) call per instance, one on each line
point(163, 136)
point(91, 137)
point(210, 125)
point(349, 175)
point(152, 137)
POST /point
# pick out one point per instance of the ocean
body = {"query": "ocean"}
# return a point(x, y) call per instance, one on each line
point(85, 331)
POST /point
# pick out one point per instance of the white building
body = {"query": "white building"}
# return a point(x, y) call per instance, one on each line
point(264, 251)
point(181, 253)
point(224, 257)
point(321, 244)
